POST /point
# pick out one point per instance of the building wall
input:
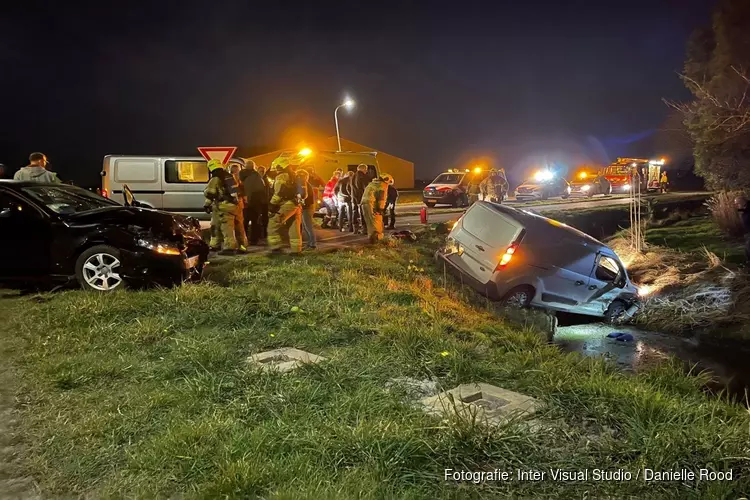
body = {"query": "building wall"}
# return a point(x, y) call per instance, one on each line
point(401, 170)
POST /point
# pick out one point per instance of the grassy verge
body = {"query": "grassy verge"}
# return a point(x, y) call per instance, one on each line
point(148, 393)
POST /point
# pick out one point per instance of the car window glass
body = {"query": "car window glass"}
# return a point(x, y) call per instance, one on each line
point(67, 199)
point(607, 269)
point(186, 172)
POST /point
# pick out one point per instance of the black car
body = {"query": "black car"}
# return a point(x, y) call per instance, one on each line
point(56, 232)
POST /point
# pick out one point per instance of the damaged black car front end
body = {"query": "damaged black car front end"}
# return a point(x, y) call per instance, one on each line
point(60, 233)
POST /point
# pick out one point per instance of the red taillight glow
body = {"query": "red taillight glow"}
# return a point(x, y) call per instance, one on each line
point(105, 193)
point(505, 259)
point(444, 189)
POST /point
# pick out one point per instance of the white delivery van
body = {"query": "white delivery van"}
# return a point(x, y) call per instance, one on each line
point(527, 260)
point(170, 183)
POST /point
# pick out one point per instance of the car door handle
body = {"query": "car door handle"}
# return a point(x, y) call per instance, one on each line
point(480, 248)
point(592, 287)
point(579, 283)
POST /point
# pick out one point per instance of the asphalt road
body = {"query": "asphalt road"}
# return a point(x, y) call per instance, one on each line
point(328, 238)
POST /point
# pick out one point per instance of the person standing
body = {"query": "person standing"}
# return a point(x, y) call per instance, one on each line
point(741, 203)
point(331, 202)
point(284, 210)
point(487, 188)
point(343, 194)
point(256, 196)
point(308, 210)
point(390, 206)
point(359, 183)
point(37, 171)
point(262, 171)
point(473, 190)
point(663, 182)
point(223, 204)
point(500, 185)
point(373, 206)
point(239, 223)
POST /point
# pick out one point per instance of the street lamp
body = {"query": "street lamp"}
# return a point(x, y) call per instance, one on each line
point(348, 104)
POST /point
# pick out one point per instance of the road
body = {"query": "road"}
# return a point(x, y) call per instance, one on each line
point(328, 238)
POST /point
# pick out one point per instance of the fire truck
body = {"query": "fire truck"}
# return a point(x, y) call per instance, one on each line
point(624, 171)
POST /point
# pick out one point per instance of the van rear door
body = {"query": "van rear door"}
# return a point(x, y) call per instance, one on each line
point(141, 174)
point(483, 235)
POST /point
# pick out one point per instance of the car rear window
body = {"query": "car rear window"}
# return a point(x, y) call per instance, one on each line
point(448, 179)
point(494, 228)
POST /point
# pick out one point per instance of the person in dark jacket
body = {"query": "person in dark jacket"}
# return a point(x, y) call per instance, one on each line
point(264, 210)
point(359, 183)
point(256, 195)
point(744, 209)
point(309, 204)
point(390, 205)
point(342, 190)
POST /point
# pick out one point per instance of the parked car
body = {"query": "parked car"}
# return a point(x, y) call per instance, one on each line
point(61, 233)
point(589, 186)
point(523, 259)
point(541, 186)
point(170, 183)
point(450, 188)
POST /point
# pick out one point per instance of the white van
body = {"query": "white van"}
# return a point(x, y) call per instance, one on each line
point(170, 183)
point(527, 260)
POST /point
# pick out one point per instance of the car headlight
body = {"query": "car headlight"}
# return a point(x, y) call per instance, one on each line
point(626, 187)
point(586, 188)
point(162, 248)
point(568, 189)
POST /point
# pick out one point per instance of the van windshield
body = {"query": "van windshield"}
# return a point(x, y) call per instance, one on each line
point(448, 179)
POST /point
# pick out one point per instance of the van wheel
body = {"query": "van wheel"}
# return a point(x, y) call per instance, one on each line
point(98, 269)
point(519, 297)
point(430, 204)
point(614, 312)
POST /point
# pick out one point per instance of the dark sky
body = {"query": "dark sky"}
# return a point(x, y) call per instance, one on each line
point(519, 81)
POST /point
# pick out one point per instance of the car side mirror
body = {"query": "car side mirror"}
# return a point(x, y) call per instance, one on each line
point(5, 213)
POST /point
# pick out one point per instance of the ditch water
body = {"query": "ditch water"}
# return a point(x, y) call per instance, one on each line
point(729, 365)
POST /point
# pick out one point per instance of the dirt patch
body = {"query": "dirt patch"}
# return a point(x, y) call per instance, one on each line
point(14, 483)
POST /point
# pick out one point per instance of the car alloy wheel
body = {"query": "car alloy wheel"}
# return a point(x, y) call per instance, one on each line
point(100, 271)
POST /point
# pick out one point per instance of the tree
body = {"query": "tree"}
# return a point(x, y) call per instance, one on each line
point(717, 73)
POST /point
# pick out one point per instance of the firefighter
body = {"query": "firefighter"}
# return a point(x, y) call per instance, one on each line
point(487, 188)
point(284, 224)
point(239, 223)
point(473, 190)
point(663, 182)
point(222, 202)
point(373, 205)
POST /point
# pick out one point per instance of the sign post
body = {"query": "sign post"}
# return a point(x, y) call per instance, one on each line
point(221, 153)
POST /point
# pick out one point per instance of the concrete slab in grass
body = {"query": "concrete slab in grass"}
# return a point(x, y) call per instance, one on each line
point(283, 360)
point(496, 404)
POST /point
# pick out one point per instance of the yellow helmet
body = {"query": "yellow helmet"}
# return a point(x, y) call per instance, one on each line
point(387, 178)
point(214, 164)
point(280, 163)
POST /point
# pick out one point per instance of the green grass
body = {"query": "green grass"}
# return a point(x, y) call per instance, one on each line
point(148, 393)
point(692, 235)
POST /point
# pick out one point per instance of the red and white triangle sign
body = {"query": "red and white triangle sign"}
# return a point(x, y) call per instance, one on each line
point(221, 153)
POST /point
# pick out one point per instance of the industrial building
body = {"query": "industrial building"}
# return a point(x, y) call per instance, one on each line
point(401, 170)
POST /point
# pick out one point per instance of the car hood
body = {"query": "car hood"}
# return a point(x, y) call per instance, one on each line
point(581, 183)
point(138, 219)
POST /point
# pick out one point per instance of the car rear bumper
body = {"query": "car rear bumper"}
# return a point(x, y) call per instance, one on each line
point(528, 196)
point(440, 199)
point(488, 289)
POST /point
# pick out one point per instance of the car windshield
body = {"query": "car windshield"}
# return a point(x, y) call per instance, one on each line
point(67, 200)
point(448, 179)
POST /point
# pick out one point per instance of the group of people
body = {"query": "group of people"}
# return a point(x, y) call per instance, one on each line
point(246, 207)
point(492, 188)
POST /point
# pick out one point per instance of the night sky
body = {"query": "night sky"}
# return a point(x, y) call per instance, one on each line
point(521, 82)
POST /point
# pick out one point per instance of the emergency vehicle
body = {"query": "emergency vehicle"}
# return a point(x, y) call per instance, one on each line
point(621, 173)
point(451, 187)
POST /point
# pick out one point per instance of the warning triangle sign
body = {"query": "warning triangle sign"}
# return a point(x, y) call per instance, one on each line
point(221, 153)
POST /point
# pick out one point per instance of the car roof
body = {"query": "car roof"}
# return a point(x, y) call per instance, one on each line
point(534, 221)
point(21, 184)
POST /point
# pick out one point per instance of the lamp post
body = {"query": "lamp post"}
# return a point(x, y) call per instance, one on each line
point(348, 104)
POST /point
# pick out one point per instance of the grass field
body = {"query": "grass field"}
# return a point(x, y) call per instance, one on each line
point(145, 394)
point(692, 235)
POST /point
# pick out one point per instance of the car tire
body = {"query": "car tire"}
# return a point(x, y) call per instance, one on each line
point(615, 310)
point(519, 297)
point(430, 204)
point(97, 269)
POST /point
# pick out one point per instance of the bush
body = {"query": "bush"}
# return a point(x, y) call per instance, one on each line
point(725, 213)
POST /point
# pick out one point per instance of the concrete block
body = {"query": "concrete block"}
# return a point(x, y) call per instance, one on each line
point(495, 404)
point(283, 360)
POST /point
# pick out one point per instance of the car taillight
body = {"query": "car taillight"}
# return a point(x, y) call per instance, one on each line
point(444, 189)
point(105, 193)
point(505, 259)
